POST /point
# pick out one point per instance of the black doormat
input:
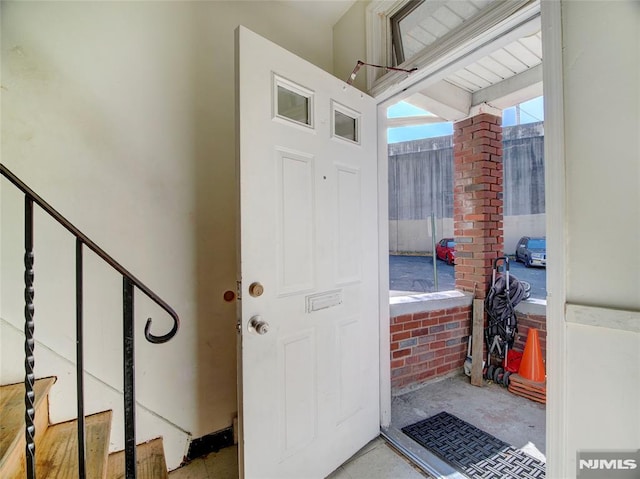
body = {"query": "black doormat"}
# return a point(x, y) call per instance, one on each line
point(475, 453)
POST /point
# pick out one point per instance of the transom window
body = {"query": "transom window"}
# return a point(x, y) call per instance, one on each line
point(420, 23)
point(398, 26)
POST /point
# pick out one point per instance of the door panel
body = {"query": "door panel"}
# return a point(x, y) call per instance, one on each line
point(308, 386)
point(349, 367)
point(348, 228)
point(295, 224)
point(298, 405)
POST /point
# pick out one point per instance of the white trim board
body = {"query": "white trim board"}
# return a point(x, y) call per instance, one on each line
point(555, 193)
point(604, 317)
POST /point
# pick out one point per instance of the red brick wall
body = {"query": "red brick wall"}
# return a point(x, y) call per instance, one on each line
point(477, 200)
point(526, 321)
point(428, 344)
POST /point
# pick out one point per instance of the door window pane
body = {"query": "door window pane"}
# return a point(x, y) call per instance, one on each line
point(346, 127)
point(293, 106)
point(293, 102)
point(346, 123)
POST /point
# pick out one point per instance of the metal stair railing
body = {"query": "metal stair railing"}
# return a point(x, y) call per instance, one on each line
point(129, 283)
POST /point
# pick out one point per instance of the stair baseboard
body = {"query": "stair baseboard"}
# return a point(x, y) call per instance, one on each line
point(210, 443)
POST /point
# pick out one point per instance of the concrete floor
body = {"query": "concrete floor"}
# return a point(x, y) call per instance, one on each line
point(513, 419)
point(378, 460)
point(217, 465)
point(492, 408)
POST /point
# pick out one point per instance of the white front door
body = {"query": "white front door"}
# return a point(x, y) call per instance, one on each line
point(309, 366)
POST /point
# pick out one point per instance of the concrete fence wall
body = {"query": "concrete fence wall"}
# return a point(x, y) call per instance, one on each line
point(421, 183)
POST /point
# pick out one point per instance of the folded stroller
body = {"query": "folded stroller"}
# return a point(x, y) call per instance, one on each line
point(505, 293)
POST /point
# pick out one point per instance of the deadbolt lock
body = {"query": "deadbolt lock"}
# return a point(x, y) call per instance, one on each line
point(256, 289)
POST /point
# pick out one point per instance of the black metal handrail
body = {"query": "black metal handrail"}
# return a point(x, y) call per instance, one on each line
point(129, 283)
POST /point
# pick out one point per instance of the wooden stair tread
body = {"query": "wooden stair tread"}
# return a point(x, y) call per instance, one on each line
point(149, 458)
point(57, 453)
point(56, 445)
point(12, 426)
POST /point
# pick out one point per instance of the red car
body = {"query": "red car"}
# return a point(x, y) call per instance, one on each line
point(445, 250)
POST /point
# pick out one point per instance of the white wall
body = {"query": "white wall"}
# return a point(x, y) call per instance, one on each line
point(601, 69)
point(121, 115)
point(349, 39)
point(602, 96)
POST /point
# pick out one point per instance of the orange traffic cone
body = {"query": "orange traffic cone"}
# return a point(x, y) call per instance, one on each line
point(532, 365)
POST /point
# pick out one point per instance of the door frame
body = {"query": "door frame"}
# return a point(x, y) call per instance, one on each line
point(383, 267)
point(556, 444)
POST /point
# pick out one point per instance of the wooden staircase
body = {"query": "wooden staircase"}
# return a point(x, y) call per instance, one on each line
point(57, 446)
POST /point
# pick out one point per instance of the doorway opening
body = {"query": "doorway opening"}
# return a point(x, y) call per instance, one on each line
point(431, 299)
point(429, 316)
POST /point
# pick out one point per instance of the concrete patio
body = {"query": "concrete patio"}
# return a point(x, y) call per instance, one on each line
point(492, 408)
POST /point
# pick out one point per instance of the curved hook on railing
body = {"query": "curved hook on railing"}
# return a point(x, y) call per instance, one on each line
point(152, 338)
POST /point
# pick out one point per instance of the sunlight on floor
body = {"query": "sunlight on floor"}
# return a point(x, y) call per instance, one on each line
point(377, 460)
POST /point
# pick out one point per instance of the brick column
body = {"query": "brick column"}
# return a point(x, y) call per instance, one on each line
point(477, 199)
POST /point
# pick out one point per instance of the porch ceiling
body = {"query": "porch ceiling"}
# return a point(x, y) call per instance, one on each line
point(509, 74)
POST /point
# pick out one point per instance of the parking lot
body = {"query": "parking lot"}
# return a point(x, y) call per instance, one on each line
point(415, 273)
